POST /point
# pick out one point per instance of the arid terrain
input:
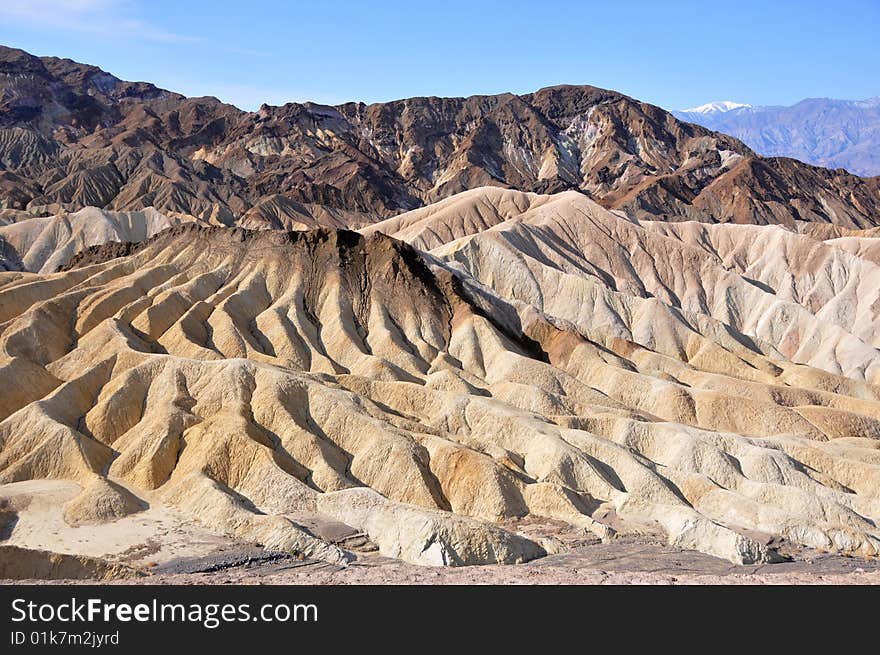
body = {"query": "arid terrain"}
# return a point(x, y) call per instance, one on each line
point(562, 336)
point(73, 135)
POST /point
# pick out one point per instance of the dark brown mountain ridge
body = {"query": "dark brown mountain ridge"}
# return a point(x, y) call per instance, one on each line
point(72, 135)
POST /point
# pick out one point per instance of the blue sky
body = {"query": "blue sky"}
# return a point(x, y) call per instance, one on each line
point(674, 54)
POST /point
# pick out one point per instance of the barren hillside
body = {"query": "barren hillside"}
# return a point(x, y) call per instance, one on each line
point(72, 136)
point(541, 358)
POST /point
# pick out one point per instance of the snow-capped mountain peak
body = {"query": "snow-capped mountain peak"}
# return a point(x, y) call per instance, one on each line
point(715, 107)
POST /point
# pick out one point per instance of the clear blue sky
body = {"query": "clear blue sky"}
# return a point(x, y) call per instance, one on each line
point(674, 54)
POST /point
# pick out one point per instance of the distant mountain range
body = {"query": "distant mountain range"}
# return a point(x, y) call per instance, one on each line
point(73, 136)
point(821, 131)
point(717, 107)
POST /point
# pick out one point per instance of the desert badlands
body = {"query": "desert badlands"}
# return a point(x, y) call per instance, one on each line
point(568, 339)
point(438, 379)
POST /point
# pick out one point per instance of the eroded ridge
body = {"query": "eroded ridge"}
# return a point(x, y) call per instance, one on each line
point(246, 378)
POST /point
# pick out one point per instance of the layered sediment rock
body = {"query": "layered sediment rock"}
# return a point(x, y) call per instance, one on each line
point(540, 357)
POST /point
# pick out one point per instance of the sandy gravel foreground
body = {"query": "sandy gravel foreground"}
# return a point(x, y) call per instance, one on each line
point(624, 562)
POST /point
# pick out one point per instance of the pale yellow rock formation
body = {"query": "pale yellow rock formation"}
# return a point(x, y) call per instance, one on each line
point(44, 244)
point(102, 500)
point(546, 357)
